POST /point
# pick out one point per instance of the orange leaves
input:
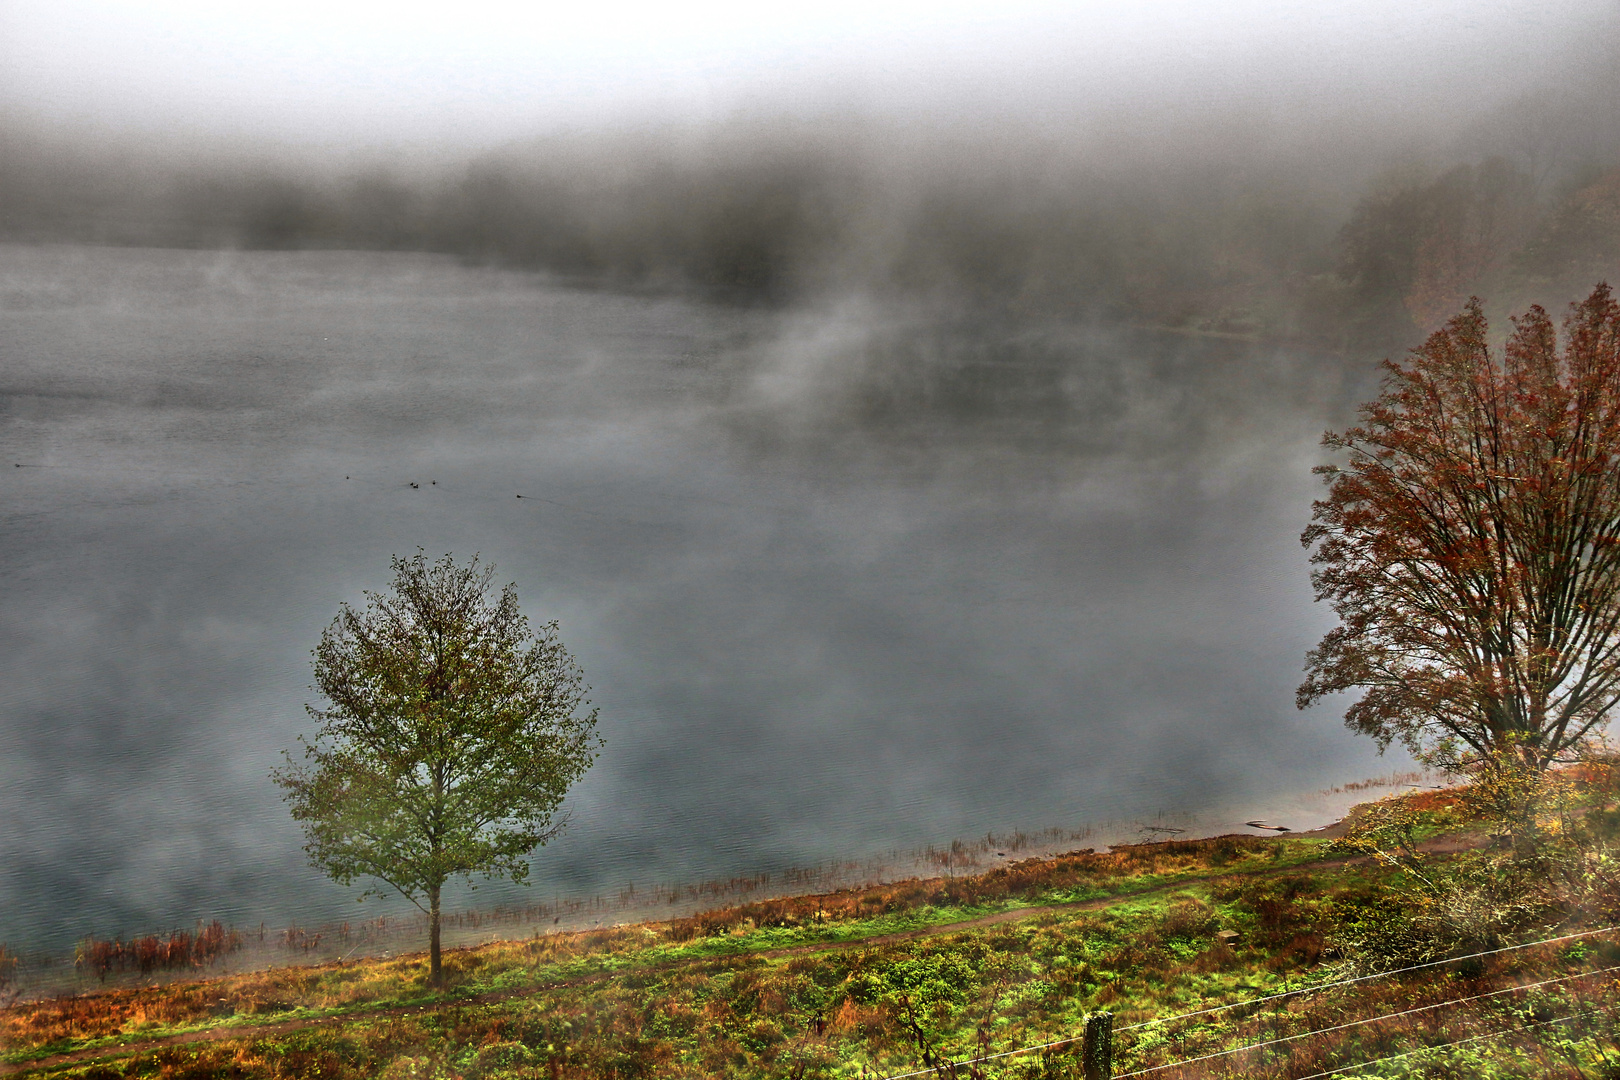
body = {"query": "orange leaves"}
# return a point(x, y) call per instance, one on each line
point(1468, 543)
point(155, 952)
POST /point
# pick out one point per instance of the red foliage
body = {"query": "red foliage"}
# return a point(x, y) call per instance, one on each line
point(157, 953)
point(1471, 546)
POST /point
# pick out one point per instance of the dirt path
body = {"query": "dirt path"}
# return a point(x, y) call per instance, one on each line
point(1096, 903)
point(254, 1031)
point(1013, 915)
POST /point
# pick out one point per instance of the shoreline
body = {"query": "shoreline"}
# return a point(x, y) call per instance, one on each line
point(390, 936)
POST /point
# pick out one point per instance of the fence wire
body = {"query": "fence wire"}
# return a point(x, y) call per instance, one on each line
point(1279, 997)
point(1368, 1020)
point(1365, 978)
point(1446, 1045)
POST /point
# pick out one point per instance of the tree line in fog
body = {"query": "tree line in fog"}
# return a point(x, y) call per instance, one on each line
point(1223, 240)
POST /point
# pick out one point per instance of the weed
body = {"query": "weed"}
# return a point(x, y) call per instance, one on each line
point(818, 986)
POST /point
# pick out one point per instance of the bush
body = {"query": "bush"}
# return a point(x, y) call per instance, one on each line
point(493, 1059)
point(1474, 903)
point(1188, 919)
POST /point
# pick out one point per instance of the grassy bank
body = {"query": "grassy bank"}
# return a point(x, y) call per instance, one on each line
point(890, 979)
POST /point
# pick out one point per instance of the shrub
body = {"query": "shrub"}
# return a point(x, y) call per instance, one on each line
point(1468, 905)
point(1188, 919)
point(495, 1058)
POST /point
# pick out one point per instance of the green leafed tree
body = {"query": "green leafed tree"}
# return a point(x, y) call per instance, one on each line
point(1470, 544)
point(450, 735)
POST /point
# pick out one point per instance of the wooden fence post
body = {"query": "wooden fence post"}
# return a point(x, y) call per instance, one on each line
point(1097, 1048)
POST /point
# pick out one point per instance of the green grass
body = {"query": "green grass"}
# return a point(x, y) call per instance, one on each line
point(718, 995)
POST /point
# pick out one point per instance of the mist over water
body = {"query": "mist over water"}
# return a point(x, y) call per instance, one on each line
point(907, 412)
point(843, 580)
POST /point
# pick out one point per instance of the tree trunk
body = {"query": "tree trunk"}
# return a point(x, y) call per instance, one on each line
point(435, 974)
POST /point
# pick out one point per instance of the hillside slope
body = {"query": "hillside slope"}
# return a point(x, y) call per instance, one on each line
point(907, 977)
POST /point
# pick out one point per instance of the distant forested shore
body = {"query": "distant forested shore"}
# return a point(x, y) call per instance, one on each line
point(1353, 243)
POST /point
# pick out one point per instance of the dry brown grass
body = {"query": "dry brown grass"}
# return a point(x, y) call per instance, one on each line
point(1028, 879)
point(340, 985)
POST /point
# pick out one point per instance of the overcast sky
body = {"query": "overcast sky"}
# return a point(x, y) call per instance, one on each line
point(367, 72)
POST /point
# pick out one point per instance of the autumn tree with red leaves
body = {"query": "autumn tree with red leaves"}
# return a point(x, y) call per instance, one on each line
point(1471, 544)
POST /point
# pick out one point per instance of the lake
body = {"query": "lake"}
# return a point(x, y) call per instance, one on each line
point(846, 579)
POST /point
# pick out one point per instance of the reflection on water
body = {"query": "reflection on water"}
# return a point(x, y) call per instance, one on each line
point(845, 581)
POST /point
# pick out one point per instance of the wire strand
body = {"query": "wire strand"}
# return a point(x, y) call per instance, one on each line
point(1442, 1046)
point(1369, 1020)
point(1364, 978)
point(1269, 997)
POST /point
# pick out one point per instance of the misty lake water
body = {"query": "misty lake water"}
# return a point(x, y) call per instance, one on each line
point(845, 579)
